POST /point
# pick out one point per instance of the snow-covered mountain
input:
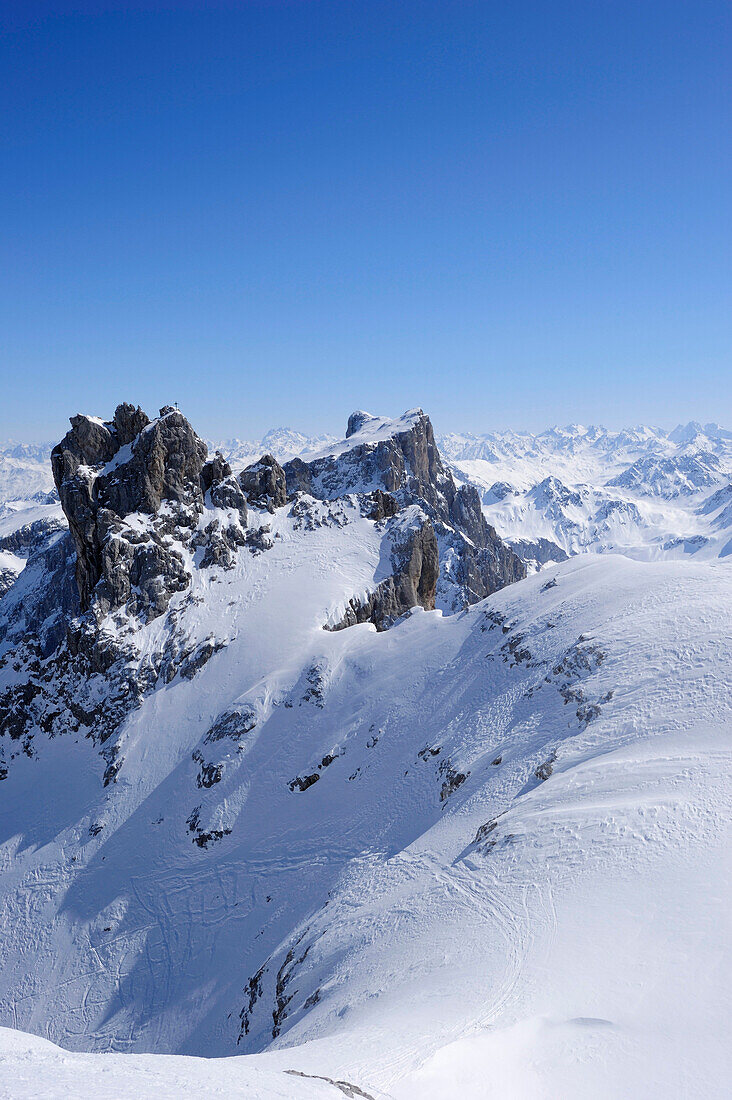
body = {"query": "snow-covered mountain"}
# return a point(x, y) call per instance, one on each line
point(24, 470)
point(25, 527)
point(641, 491)
point(282, 443)
point(298, 765)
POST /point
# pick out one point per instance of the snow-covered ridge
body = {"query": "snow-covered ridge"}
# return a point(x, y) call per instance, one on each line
point(368, 430)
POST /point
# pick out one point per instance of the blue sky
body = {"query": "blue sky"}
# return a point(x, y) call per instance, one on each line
point(512, 214)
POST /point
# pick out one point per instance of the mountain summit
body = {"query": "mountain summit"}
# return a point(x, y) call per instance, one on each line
point(148, 511)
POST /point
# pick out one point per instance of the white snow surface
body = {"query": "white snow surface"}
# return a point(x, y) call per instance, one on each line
point(575, 948)
point(507, 872)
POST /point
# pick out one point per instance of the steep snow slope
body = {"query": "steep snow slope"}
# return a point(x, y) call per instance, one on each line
point(509, 872)
point(25, 526)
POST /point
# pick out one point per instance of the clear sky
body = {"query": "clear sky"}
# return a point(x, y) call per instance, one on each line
point(512, 213)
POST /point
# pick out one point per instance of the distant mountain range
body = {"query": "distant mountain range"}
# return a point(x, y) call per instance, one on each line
point(640, 491)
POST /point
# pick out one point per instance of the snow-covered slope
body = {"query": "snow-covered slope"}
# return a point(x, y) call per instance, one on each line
point(25, 527)
point(473, 855)
point(550, 925)
point(640, 491)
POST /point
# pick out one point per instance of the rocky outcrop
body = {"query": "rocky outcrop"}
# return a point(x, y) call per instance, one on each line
point(8, 578)
point(264, 483)
point(146, 508)
point(104, 471)
point(356, 422)
point(400, 459)
point(223, 489)
point(133, 492)
point(413, 583)
point(539, 551)
point(31, 537)
point(381, 506)
point(406, 461)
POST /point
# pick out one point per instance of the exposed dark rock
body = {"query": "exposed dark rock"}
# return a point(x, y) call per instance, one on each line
point(381, 506)
point(407, 466)
point(414, 559)
point(8, 578)
point(32, 537)
point(43, 599)
point(208, 774)
point(349, 1090)
point(228, 494)
point(539, 551)
point(223, 488)
point(544, 770)
point(429, 751)
point(253, 991)
point(103, 472)
point(302, 782)
point(213, 472)
point(200, 837)
point(203, 840)
point(315, 690)
point(265, 483)
point(284, 977)
point(452, 779)
point(234, 723)
point(356, 421)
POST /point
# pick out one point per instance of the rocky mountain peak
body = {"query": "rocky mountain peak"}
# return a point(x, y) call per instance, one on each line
point(150, 514)
point(400, 457)
point(106, 470)
point(356, 422)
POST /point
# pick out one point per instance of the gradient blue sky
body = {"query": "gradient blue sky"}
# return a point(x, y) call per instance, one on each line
point(513, 214)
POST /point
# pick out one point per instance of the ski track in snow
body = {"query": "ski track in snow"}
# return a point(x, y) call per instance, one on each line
point(497, 935)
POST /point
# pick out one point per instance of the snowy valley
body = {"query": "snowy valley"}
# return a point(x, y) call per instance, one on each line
point(388, 766)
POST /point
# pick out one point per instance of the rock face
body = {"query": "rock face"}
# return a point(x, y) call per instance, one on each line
point(222, 487)
point(134, 492)
point(149, 513)
point(106, 471)
point(265, 483)
point(400, 459)
point(31, 536)
point(413, 583)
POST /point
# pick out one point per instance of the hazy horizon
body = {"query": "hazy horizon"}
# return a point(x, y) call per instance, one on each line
point(337, 429)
